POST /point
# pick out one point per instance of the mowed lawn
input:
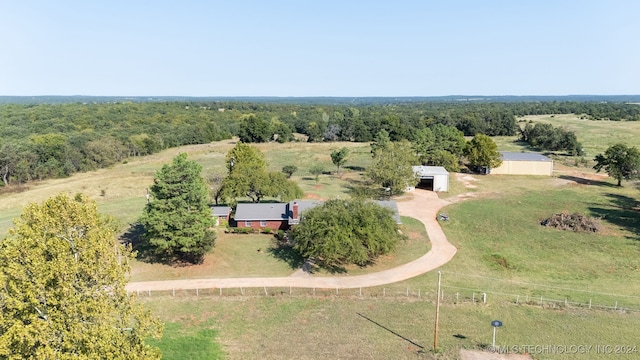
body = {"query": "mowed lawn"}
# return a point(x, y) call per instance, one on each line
point(258, 255)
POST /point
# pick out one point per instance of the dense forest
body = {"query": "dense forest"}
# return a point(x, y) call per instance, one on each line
point(39, 141)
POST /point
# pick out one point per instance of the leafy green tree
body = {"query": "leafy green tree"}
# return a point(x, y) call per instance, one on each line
point(314, 131)
point(62, 287)
point(346, 232)
point(392, 167)
point(482, 151)
point(289, 170)
point(443, 150)
point(339, 157)
point(177, 220)
point(248, 176)
point(253, 129)
point(316, 170)
point(380, 141)
point(281, 132)
point(621, 162)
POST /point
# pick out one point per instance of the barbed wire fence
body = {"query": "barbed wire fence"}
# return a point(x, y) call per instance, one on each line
point(456, 292)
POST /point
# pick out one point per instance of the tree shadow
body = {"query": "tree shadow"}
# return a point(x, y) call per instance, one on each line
point(393, 332)
point(624, 212)
point(354, 168)
point(585, 181)
point(145, 251)
point(287, 254)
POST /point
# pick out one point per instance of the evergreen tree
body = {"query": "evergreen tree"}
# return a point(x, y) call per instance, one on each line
point(62, 288)
point(177, 220)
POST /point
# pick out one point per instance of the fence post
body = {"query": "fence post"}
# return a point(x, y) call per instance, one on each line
point(220, 291)
point(360, 292)
point(457, 297)
point(265, 291)
point(589, 303)
point(241, 291)
point(541, 304)
point(566, 303)
point(336, 290)
point(419, 294)
point(174, 292)
point(407, 292)
point(197, 292)
point(384, 292)
point(484, 298)
point(616, 308)
point(473, 298)
point(289, 290)
point(517, 299)
point(314, 291)
point(149, 292)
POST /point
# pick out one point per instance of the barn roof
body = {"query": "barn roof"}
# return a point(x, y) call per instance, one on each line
point(523, 156)
point(429, 170)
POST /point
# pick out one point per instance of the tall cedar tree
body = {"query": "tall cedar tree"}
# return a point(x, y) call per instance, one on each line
point(177, 220)
point(62, 287)
point(346, 232)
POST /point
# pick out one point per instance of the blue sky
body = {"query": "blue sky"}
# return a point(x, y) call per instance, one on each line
point(319, 48)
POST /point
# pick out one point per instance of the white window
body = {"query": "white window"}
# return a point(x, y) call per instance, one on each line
point(247, 223)
point(263, 223)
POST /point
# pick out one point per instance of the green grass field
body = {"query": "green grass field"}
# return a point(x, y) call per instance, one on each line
point(502, 250)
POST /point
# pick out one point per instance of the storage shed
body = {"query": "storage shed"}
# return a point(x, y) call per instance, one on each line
point(521, 163)
point(434, 178)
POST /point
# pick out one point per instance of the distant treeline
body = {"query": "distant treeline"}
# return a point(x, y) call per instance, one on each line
point(39, 141)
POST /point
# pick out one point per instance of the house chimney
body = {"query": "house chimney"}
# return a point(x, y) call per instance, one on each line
point(294, 211)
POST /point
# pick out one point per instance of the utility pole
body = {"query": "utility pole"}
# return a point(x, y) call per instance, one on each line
point(435, 332)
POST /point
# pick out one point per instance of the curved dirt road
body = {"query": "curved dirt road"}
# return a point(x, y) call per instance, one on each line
point(423, 205)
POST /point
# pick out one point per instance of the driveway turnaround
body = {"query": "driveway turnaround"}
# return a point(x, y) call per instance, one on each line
point(423, 205)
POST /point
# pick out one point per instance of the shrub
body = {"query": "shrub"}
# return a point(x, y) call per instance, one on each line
point(267, 230)
point(575, 222)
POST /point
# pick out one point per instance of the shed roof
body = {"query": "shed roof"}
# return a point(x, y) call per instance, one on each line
point(220, 210)
point(422, 170)
point(523, 156)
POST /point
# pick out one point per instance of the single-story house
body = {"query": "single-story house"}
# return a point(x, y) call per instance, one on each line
point(220, 214)
point(281, 216)
point(434, 178)
point(524, 163)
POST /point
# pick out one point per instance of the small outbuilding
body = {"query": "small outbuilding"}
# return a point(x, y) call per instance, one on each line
point(220, 214)
point(434, 178)
point(524, 163)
